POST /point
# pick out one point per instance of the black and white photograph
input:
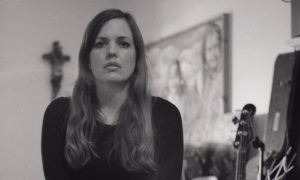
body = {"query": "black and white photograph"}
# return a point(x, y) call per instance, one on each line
point(149, 90)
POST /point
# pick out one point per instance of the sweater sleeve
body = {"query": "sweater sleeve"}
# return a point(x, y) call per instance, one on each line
point(53, 138)
point(170, 144)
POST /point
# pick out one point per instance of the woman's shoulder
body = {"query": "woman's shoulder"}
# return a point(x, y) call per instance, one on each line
point(60, 103)
point(163, 104)
point(163, 107)
point(58, 110)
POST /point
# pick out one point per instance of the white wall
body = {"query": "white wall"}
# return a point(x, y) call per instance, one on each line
point(260, 31)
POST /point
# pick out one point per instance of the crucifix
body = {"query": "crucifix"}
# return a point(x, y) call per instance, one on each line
point(56, 59)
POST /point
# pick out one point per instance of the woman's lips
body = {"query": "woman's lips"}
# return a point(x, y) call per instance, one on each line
point(112, 66)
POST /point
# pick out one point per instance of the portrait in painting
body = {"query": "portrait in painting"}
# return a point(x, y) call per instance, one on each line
point(192, 70)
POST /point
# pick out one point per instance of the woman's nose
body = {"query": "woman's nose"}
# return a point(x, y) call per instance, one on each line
point(111, 52)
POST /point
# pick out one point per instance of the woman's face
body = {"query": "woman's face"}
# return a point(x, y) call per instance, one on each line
point(213, 50)
point(113, 57)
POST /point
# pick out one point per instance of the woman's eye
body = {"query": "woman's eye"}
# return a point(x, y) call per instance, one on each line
point(99, 44)
point(124, 44)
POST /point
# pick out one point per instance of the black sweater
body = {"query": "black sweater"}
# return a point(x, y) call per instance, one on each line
point(169, 146)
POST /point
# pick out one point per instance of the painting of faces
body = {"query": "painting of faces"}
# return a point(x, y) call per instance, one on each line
point(190, 69)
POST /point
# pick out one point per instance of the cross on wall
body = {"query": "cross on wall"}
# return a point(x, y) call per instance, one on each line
point(56, 59)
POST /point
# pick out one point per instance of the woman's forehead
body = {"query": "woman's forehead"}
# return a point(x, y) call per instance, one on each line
point(115, 28)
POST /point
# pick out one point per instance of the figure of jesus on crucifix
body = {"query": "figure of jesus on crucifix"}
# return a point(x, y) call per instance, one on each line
point(56, 59)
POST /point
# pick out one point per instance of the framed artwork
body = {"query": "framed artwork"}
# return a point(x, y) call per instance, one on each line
point(191, 69)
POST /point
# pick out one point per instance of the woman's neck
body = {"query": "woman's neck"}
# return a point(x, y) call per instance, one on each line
point(111, 97)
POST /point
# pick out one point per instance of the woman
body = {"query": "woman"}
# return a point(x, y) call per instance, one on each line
point(111, 128)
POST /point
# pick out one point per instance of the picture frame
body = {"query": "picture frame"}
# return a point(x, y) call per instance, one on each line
point(180, 74)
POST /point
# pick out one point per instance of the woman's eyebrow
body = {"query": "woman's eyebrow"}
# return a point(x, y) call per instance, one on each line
point(123, 37)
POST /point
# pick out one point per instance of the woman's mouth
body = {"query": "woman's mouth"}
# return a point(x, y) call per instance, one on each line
point(112, 66)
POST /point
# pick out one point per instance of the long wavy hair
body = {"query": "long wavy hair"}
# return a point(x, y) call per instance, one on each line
point(133, 139)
